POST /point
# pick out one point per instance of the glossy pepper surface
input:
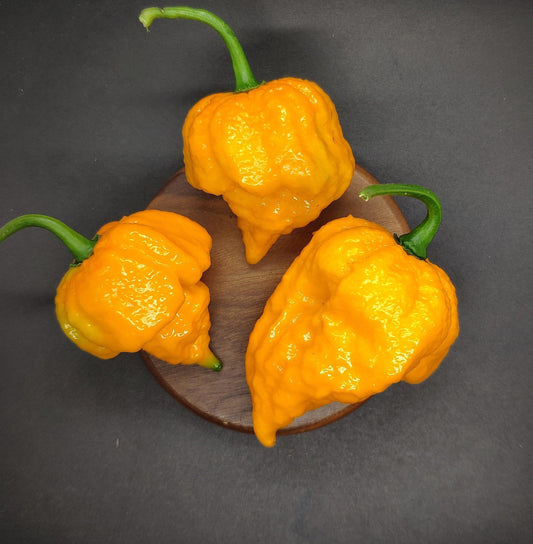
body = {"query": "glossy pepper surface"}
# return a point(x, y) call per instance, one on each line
point(274, 151)
point(354, 313)
point(135, 286)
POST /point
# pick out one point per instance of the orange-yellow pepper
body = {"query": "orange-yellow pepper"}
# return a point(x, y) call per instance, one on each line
point(354, 313)
point(135, 286)
point(274, 151)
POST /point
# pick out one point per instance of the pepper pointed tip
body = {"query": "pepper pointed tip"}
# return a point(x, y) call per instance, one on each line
point(212, 362)
point(257, 241)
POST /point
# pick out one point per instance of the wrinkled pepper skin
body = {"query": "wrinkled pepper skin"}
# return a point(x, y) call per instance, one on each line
point(140, 289)
point(275, 153)
point(352, 315)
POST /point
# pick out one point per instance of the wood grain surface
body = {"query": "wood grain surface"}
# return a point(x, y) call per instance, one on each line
point(238, 294)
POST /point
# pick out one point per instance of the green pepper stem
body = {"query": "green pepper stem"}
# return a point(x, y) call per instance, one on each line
point(79, 246)
point(416, 241)
point(244, 78)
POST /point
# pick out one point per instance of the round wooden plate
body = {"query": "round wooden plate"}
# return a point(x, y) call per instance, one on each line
point(239, 292)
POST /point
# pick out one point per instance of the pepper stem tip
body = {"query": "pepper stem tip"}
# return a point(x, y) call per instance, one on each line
point(148, 15)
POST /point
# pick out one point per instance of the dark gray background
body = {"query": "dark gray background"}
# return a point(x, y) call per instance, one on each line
point(428, 92)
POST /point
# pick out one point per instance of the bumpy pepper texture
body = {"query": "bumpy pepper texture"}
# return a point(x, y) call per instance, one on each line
point(276, 154)
point(353, 314)
point(135, 286)
point(274, 151)
point(141, 289)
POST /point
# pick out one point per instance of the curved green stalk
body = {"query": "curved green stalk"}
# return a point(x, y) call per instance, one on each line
point(416, 241)
point(79, 246)
point(244, 78)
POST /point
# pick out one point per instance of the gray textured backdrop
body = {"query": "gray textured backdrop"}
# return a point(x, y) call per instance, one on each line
point(428, 92)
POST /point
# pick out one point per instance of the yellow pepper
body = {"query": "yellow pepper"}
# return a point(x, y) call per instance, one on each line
point(274, 151)
point(135, 286)
point(357, 311)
